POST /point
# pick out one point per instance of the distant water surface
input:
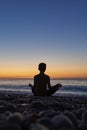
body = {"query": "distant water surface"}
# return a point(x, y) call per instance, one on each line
point(70, 86)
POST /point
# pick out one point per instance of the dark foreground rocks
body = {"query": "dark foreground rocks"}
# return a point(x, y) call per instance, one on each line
point(24, 112)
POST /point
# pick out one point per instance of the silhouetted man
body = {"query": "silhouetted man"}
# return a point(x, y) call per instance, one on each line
point(42, 86)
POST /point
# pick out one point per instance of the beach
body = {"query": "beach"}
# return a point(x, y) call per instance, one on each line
point(25, 110)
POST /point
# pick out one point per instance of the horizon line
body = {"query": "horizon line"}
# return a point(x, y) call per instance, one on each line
point(24, 78)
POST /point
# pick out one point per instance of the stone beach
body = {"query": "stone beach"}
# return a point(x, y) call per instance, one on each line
point(28, 112)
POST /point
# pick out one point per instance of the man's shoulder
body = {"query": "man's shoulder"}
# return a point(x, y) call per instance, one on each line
point(47, 76)
point(36, 75)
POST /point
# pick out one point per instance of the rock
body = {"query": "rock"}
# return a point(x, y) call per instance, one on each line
point(79, 113)
point(11, 107)
point(6, 115)
point(46, 122)
point(16, 118)
point(37, 104)
point(49, 113)
point(72, 117)
point(61, 121)
point(84, 117)
point(9, 126)
point(38, 127)
point(2, 109)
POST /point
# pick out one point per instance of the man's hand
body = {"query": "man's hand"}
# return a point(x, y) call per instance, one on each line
point(59, 85)
point(30, 85)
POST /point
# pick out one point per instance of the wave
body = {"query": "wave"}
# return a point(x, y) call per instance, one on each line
point(74, 88)
point(66, 91)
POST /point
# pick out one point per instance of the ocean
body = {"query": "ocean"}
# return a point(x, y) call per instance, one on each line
point(70, 87)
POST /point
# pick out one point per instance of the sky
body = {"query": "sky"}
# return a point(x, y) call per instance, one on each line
point(49, 31)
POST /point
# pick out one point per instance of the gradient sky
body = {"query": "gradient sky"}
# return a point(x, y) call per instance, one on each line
point(50, 31)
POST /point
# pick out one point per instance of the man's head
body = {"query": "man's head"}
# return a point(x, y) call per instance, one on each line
point(42, 67)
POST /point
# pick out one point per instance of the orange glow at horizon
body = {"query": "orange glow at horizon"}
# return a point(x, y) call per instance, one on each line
point(63, 70)
point(53, 73)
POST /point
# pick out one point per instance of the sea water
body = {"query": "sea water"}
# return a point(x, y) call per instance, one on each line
point(72, 87)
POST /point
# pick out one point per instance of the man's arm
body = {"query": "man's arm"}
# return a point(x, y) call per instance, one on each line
point(49, 85)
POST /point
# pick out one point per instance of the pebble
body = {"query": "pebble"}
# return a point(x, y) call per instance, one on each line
point(61, 121)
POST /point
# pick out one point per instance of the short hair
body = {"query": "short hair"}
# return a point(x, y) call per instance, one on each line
point(42, 66)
